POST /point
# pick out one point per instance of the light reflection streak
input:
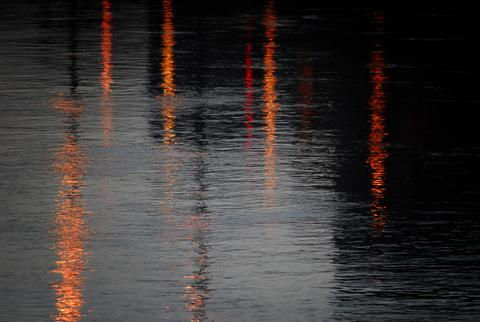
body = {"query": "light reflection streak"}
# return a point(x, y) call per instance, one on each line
point(269, 98)
point(70, 225)
point(249, 98)
point(377, 150)
point(106, 76)
point(168, 73)
point(170, 166)
point(70, 228)
point(196, 291)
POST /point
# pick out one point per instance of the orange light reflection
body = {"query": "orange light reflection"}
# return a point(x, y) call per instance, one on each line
point(377, 150)
point(106, 77)
point(168, 73)
point(70, 226)
point(270, 105)
point(171, 165)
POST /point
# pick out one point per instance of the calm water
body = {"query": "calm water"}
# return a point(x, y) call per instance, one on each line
point(247, 161)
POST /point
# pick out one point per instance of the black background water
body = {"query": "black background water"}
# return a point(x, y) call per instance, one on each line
point(164, 160)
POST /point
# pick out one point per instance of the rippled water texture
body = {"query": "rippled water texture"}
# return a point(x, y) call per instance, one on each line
point(163, 160)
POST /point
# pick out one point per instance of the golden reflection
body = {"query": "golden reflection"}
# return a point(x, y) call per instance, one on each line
point(168, 73)
point(249, 101)
point(377, 150)
point(269, 98)
point(106, 77)
point(70, 225)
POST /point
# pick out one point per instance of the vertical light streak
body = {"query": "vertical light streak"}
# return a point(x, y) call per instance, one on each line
point(269, 98)
point(168, 73)
point(170, 166)
point(377, 150)
point(249, 98)
point(70, 226)
point(196, 291)
point(106, 76)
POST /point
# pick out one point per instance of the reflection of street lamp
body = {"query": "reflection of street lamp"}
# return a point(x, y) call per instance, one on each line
point(197, 290)
point(249, 99)
point(70, 230)
point(376, 139)
point(168, 73)
point(106, 76)
point(269, 97)
point(70, 226)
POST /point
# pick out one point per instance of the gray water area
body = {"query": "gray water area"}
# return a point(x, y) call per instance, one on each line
point(165, 163)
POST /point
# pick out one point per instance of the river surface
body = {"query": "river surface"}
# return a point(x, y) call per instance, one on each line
point(167, 161)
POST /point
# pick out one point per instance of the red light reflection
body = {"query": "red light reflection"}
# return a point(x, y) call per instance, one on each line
point(377, 150)
point(249, 98)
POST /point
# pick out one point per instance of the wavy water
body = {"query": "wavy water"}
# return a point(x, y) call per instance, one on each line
point(246, 161)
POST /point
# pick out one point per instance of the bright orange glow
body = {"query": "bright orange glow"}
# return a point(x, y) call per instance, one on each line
point(106, 77)
point(70, 226)
point(168, 73)
point(249, 96)
point(378, 152)
point(170, 167)
point(269, 98)
point(168, 62)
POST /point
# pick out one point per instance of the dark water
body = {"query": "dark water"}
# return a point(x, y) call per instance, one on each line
point(164, 160)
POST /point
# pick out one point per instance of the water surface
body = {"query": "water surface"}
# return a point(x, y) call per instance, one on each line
point(246, 161)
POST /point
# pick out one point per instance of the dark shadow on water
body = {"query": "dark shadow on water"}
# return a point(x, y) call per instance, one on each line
point(421, 255)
